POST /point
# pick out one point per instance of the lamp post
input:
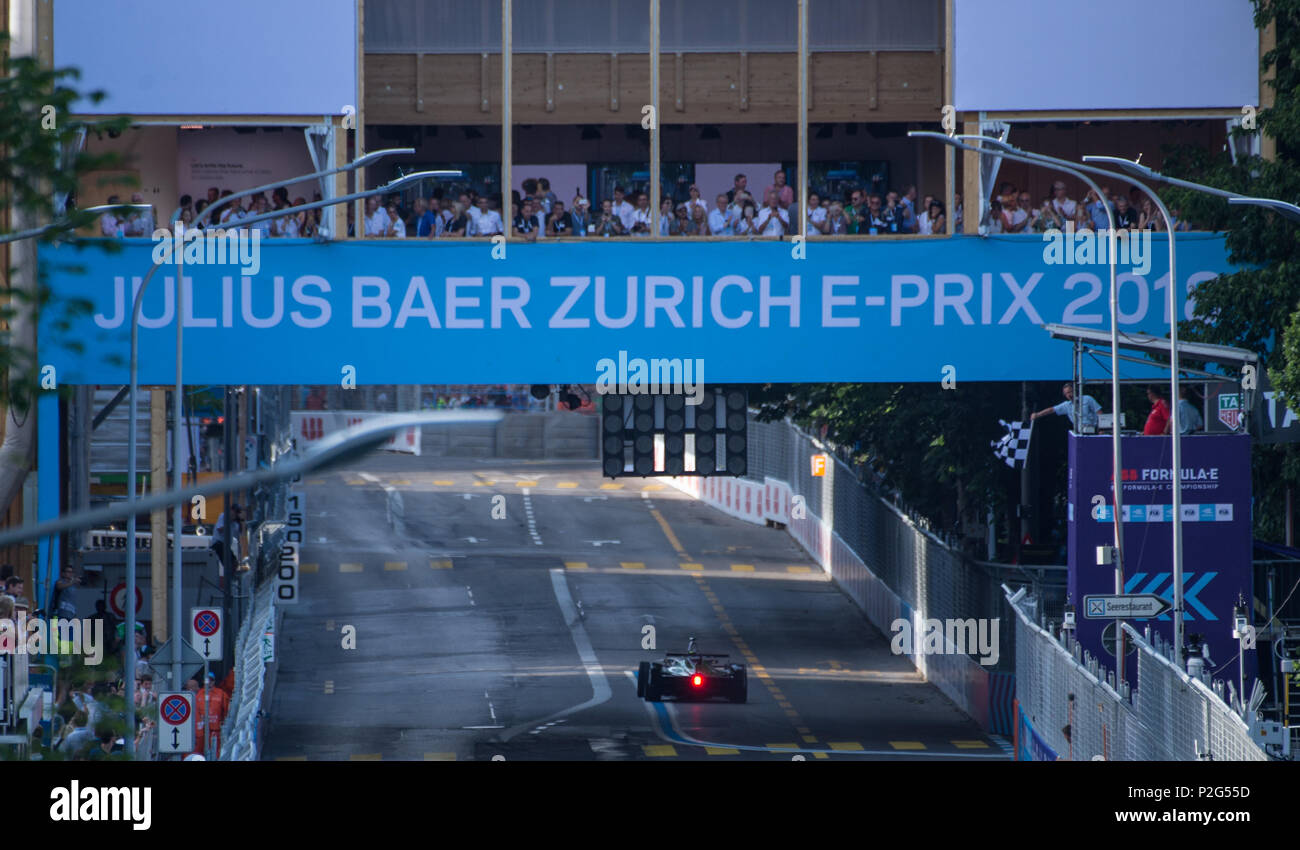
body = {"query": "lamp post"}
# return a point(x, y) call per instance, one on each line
point(1009, 152)
point(129, 671)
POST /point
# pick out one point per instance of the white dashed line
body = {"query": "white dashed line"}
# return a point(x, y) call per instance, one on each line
point(531, 520)
point(471, 596)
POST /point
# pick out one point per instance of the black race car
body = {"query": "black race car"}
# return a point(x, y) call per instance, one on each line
point(692, 675)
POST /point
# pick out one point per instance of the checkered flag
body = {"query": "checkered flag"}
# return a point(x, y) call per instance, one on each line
point(1014, 446)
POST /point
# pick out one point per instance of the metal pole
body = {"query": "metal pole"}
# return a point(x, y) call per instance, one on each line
point(507, 147)
point(178, 476)
point(655, 177)
point(802, 143)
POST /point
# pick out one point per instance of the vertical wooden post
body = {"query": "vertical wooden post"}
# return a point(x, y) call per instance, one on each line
point(507, 147)
point(654, 113)
point(802, 153)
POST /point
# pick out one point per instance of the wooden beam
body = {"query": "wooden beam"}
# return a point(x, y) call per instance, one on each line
point(972, 202)
point(679, 80)
point(744, 81)
point(550, 82)
point(873, 79)
point(613, 82)
point(419, 82)
point(949, 153)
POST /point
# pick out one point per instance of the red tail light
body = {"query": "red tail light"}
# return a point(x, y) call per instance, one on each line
point(697, 680)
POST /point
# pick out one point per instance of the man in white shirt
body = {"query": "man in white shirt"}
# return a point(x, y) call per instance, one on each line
point(1014, 219)
point(109, 224)
point(395, 228)
point(376, 218)
point(773, 220)
point(1063, 205)
point(696, 201)
point(817, 222)
point(487, 222)
point(722, 220)
point(1089, 409)
point(641, 216)
point(140, 221)
point(623, 209)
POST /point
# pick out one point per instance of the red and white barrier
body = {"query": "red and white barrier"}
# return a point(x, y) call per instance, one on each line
point(311, 426)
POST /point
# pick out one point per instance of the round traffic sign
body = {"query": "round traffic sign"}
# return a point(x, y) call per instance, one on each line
point(117, 599)
point(174, 710)
point(206, 623)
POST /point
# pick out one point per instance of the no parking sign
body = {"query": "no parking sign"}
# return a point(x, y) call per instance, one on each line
point(176, 722)
point(205, 632)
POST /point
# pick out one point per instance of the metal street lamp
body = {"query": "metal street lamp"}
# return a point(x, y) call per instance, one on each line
point(1009, 152)
point(1290, 211)
point(1137, 169)
point(177, 472)
point(332, 451)
point(66, 222)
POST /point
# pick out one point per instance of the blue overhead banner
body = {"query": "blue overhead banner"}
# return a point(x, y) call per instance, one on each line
point(294, 312)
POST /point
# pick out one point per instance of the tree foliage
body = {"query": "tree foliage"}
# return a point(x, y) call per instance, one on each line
point(39, 161)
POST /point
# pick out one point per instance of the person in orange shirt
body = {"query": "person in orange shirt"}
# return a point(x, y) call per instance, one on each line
point(217, 703)
point(228, 683)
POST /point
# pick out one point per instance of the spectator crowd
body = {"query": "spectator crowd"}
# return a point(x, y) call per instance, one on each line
point(1013, 210)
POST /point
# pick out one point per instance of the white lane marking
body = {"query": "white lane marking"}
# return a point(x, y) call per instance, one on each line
point(471, 601)
point(532, 521)
point(680, 737)
point(599, 543)
point(492, 711)
point(600, 690)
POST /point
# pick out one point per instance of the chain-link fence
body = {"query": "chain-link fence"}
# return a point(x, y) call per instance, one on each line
point(240, 736)
point(918, 563)
point(1069, 706)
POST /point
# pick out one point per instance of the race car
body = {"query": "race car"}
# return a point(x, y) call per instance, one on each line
point(692, 675)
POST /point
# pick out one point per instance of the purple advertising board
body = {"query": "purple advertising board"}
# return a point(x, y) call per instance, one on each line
point(1216, 502)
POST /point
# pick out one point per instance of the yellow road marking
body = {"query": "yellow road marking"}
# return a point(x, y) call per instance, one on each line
point(567, 485)
point(392, 566)
point(820, 756)
point(691, 566)
point(611, 486)
point(478, 483)
point(351, 568)
point(439, 756)
point(730, 629)
point(668, 532)
point(653, 487)
point(443, 482)
point(308, 568)
point(440, 565)
point(810, 739)
point(631, 565)
point(719, 609)
point(400, 482)
point(525, 483)
point(783, 746)
point(750, 658)
point(784, 704)
point(659, 750)
point(970, 745)
point(907, 745)
point(576, 565)
point(791, 713)
point(722, 751)
point(357, 482)
point(845, 746)
point(798, 569)
point(742, 568)
point(366, 757)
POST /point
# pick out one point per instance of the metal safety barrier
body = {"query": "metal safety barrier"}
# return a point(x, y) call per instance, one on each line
point(1070, 708)
point(239, 735)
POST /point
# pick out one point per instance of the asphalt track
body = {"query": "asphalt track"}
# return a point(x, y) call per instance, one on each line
point(517, 636)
